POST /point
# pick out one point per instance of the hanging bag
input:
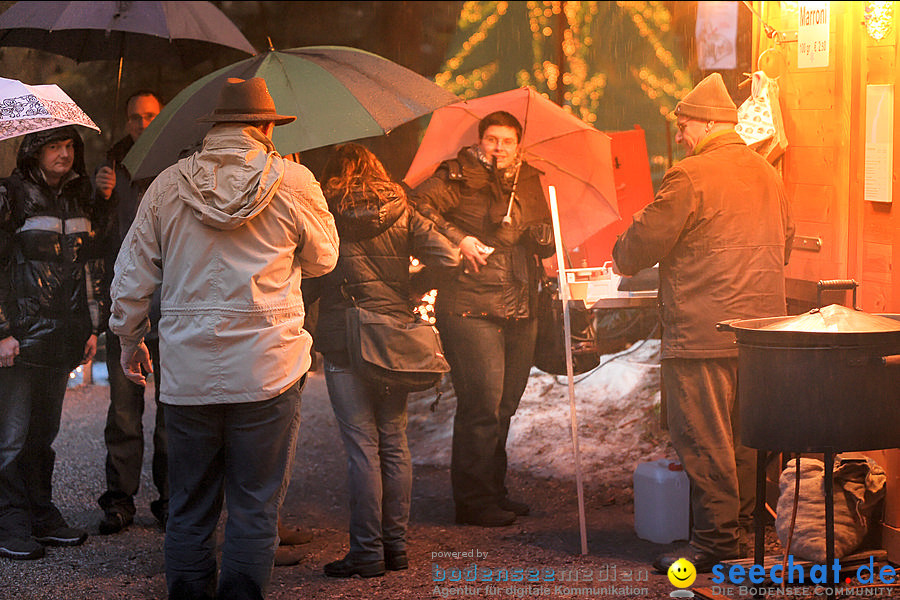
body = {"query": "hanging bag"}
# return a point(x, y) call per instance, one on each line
point(550, 348)
point(760, 124)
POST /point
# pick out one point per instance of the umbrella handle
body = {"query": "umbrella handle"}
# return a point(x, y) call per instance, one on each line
point(507, 220)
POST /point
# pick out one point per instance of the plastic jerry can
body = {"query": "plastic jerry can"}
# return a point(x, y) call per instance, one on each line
point(662, 502)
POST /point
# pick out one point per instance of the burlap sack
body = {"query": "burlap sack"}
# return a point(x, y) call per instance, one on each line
point(858, 488)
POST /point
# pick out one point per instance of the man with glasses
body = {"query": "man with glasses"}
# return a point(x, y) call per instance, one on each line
point(720, 229)
point(124, 432)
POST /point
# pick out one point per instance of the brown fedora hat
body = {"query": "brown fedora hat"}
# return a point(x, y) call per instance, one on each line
point(245, 101)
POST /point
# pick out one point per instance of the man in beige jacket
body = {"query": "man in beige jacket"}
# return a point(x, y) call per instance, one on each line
point(226, 234)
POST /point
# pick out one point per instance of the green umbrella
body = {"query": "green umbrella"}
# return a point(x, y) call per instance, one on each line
point(337, 93)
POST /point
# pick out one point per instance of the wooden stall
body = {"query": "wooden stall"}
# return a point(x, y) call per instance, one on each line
point(836, 65)
point(840, 164)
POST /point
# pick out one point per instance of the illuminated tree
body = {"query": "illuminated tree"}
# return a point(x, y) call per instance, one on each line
point(613, 64)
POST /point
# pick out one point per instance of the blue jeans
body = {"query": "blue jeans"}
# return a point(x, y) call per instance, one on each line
point(240, 453)
point(373, 426)
point(490, 361)
point(31, 400)
point(124, 434)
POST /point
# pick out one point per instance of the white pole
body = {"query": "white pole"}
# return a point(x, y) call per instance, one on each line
point(564, 297)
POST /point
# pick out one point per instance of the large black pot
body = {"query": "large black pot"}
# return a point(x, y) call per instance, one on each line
point(828, 380)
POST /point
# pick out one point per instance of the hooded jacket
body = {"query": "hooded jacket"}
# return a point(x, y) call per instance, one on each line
point(227, 234)
point(379, 232)
point(51, 246)
point(464, 197)
point(721, 230)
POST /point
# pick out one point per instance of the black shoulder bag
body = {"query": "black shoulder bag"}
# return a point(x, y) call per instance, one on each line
point(388, 352)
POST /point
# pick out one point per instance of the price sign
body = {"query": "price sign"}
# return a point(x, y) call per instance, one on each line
point(813, 34)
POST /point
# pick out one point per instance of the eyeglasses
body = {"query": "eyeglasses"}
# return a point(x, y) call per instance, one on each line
point(146, 118)
point(684, 124)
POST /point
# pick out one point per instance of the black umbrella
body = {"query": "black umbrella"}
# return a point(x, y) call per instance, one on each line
point(180, 34)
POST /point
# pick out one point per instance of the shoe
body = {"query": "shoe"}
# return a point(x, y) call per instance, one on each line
point(396, 560)
point(493, 516)
point(160, 510)
point(347, 567)
point(703, 561)
point(114, 522)
point(286, 556)
point(61, 536)
point(21, 548)
point(520, 509)
point(293, 535)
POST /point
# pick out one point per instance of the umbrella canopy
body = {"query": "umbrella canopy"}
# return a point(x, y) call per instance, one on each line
point(573, 156)
point(181, 34)
point(337, 93)
point(26, 108)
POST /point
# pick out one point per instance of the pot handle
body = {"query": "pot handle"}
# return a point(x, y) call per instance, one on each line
point(835, 285)
point(725, 326)
point(891, 361)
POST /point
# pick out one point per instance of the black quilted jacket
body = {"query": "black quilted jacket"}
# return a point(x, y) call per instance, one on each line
point(379, 232)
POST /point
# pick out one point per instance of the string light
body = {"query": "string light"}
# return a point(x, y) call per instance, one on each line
point(664, 79)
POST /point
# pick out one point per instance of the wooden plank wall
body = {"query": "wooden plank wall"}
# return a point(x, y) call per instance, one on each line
point(879, 224)
point(824, 165)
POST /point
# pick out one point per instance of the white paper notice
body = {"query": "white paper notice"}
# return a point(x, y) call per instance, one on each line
point(879, 142)
point(813, 34)
point(716, 34)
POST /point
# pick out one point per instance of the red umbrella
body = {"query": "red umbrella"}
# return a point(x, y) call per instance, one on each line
point(574, 157)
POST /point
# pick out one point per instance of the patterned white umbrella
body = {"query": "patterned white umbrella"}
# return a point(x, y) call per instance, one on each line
point(26, 108)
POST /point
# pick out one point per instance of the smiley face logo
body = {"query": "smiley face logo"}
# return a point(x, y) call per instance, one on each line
point(682, 573)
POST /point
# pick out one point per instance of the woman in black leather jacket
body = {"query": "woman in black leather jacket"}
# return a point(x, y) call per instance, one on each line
point(492, 205)
point(379, 232)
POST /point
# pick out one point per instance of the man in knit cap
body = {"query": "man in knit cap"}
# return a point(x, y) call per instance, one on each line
point(721, 230)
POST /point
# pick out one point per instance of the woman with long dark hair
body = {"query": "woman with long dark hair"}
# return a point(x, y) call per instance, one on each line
point(379, 231)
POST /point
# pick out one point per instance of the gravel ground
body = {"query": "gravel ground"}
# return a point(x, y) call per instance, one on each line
point(130, 565)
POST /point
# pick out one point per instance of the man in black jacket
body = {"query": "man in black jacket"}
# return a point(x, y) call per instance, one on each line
point(51, 309)
point(124, 432)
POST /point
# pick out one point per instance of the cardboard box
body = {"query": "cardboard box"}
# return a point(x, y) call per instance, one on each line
point(891, 525)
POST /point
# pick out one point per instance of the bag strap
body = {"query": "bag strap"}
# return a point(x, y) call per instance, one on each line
point(347, 295)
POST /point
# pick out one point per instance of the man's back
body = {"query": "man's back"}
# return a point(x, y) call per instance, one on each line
point(718, 227)
point(233, 240)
